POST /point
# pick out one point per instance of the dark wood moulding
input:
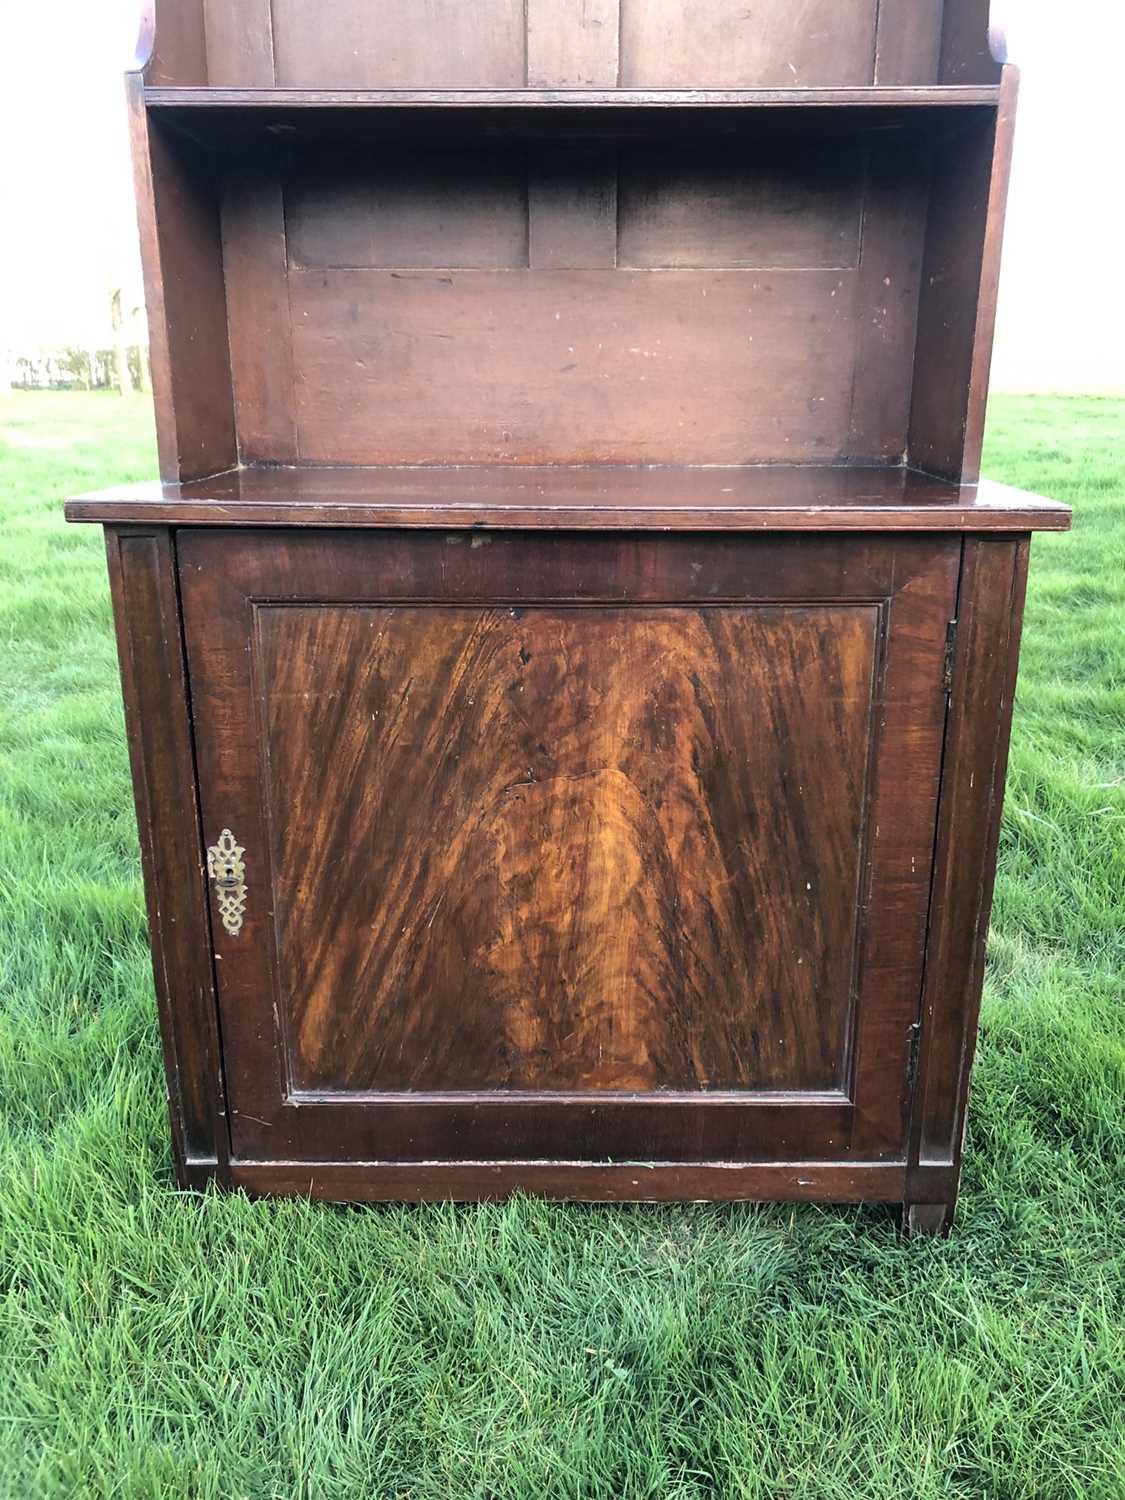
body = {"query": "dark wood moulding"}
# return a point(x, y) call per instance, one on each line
point(580, 497)
point(619, 1182)
point(870, 96)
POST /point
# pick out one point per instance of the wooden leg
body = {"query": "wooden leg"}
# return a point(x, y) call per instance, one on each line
point(927, 1218)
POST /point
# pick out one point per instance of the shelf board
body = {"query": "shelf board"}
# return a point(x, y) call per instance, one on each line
point(945, 95)
point(217, 117)
point(580, 497)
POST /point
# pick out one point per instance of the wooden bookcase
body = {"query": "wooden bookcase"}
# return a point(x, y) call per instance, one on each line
point(569, 651)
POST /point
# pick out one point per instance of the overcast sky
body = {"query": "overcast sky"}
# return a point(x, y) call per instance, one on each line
point(70, 233)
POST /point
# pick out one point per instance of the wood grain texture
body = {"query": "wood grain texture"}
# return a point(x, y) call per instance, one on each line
point(150, 653)
point(546, 851)
point(985, 329)
point(908, 42)
point(181, 254)
point(400, 44)
point(583, 1182)
point(990, 611)
point(409, 207)
point(311, 108)
point(572, 43)
point(933, 1220)
point(257, 297)
point(911, 582)
point(239, 37)
point(886, 295)
point(171, 48)
point(626, 365)
point(742, 204)
point(967, 42)
point(947, 305)
point(160, 353)
point(567, 43)
point(957, 308)
point(572, 216)
point(726, 44)
point(700, 303)
point(606, 497)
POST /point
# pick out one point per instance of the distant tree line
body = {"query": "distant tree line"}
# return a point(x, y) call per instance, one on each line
point(122, 366)
point(70, 369)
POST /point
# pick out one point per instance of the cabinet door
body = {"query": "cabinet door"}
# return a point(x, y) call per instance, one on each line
point(567, 848)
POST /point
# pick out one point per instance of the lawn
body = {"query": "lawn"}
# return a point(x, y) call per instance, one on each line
point(158, 1344)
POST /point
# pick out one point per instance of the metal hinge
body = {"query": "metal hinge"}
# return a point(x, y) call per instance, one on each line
point(912, 1057)
point(950, 654)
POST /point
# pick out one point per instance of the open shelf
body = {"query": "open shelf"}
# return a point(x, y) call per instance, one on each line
point(607, 277)
point(522, 237)
point(772, 497)
point(220, 116)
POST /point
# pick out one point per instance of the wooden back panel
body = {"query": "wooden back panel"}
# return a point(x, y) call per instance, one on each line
point(724, 301)
point(570, 43)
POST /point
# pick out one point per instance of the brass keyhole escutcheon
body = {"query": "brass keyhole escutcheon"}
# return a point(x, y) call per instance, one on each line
point(228, 874)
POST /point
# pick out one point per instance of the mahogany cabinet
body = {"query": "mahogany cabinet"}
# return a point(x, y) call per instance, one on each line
point(569, 653)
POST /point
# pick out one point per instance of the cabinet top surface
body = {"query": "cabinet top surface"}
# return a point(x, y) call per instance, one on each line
point(580, 497)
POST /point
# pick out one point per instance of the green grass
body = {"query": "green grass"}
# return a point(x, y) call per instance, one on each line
point(155, 1344)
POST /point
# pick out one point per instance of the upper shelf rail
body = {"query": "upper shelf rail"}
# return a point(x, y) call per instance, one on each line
point(928, 95)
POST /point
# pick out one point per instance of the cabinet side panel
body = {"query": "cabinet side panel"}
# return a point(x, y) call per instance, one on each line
point(150, 650)
point(886, 297)
point(985, 329)
point(902, 819)
point(181, 251)
point(173, 30)
point(990, 611)
point(957, 310)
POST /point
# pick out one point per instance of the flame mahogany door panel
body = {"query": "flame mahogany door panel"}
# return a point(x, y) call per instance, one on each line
point(567, 847)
